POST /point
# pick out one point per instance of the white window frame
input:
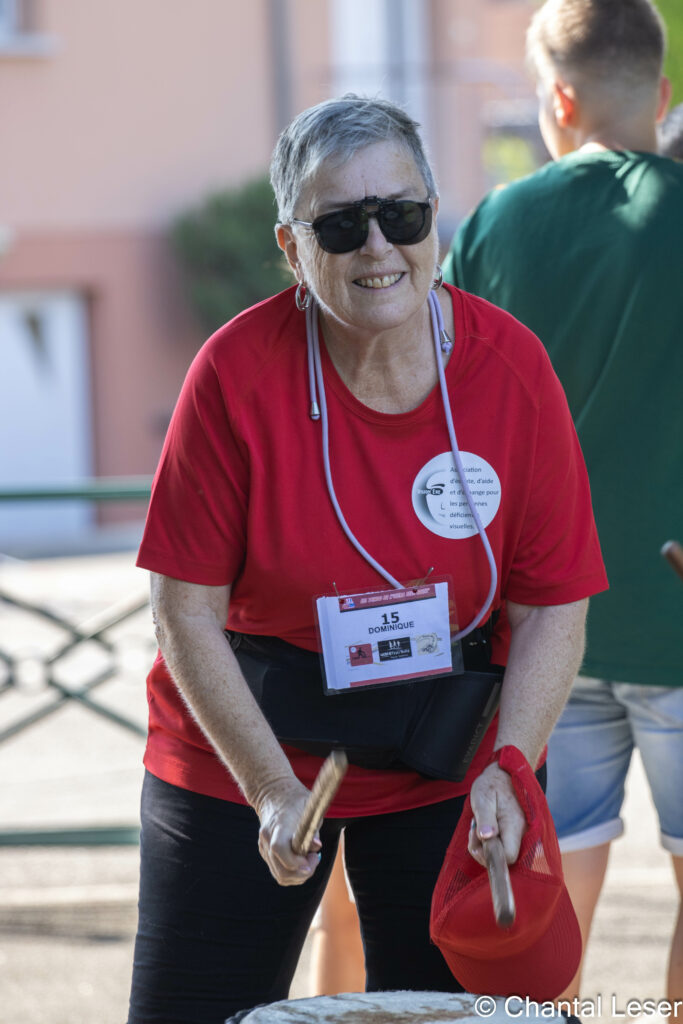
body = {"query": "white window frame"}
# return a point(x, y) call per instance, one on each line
point(9, 19)
point(366, 67)
point(18, 39)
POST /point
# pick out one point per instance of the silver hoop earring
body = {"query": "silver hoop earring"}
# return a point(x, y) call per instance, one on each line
point(302, 297)
point(438, 280)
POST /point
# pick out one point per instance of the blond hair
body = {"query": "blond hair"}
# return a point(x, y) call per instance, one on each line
point(605, 43)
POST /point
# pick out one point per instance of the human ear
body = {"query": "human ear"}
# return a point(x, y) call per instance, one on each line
point(287, 242)
point(664, 98)
point(564, 104)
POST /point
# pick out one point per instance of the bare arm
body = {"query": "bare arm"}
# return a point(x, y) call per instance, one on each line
point(545, 654)
point(189, 621)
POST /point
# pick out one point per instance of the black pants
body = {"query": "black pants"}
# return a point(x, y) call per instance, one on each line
point(217, 934)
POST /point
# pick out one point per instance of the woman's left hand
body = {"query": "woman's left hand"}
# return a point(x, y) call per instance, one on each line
point(496, 813)
point(545, 654)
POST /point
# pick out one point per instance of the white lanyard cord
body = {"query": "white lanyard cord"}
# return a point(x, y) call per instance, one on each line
point(313, 344)
point(312, 337)
point(437, 328)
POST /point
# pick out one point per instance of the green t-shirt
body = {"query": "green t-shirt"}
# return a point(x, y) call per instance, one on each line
point(588, 253)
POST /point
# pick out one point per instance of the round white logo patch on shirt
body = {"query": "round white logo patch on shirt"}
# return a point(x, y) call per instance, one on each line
point(439, 500)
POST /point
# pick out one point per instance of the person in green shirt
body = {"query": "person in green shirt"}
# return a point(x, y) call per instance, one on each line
point(588, 253)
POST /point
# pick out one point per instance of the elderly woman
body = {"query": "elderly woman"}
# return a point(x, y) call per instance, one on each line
point(313, 495)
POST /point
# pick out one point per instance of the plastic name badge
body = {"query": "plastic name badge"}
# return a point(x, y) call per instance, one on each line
point(385, 636)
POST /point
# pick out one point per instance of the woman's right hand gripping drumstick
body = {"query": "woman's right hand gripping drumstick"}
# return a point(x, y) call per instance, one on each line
point(280, 812)
point(306, 840)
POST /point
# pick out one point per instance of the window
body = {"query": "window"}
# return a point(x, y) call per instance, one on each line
point(9, 18)
point(45, 407)
point(380, 48)
point(19, 35)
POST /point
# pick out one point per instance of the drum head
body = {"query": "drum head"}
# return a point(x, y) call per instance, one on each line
point(383, 1008)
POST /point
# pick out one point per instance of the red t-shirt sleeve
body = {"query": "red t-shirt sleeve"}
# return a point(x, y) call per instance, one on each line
point(557, 558)
point(196, 523)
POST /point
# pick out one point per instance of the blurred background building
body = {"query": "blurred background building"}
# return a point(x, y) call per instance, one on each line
point(115, 118)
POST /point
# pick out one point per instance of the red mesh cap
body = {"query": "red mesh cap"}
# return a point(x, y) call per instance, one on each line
point(540, 952)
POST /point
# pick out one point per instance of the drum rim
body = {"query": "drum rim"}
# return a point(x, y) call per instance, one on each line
point(390, 998)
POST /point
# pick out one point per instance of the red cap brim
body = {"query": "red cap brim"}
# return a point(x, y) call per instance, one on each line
point(541, 972)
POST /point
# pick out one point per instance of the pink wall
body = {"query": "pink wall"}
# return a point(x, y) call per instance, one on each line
point(478, 54)
point(141, 107)
point(139, 111)
point(505, 25)
point(310, 53)
point(456, 39)
point(143, 336)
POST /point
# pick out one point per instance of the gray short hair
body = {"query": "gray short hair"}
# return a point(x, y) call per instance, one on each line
point(335, 130)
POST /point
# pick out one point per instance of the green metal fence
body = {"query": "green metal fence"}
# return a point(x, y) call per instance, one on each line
point(113, 488)
point(103, 489)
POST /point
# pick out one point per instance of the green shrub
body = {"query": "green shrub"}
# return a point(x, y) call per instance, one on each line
point(228, 252)
point(672, 13)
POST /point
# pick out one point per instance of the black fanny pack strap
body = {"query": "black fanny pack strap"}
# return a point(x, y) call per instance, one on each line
point(476, 646)
point(431, 725)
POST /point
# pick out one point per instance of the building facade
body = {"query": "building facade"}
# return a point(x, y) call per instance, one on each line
point(115, 118)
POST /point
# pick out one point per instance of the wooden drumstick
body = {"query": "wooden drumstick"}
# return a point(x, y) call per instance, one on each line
point(673, 552)
point(322, 794)
point(499, 880)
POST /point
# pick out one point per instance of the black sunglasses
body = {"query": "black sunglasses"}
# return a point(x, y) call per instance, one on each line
point(401, 221)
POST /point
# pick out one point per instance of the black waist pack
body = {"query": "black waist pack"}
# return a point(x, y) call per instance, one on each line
point(433, 726)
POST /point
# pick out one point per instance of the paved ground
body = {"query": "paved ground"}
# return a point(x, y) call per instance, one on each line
point(67, 916)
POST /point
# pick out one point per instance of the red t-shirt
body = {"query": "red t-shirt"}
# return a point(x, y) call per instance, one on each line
point(240, 498)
